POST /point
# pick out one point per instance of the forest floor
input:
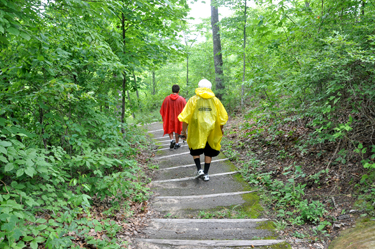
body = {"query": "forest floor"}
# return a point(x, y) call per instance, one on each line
point(279, 158)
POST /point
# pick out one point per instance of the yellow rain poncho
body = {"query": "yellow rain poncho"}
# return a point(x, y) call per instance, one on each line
point(204, 113)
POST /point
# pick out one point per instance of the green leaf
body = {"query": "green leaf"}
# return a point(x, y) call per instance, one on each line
point(29, 162)
point(30, 171)
point(5, 143)
point(40, 239)
point(1, 29)
point(3, 159)
point(13, 31)
point(2, 120)
point(40, 58)
point(41, 220)
point(42, 170)
point(170, 5)
point(20, 172)
point(34, 244)
point(25, 36)
point(9, 167)
point(27, 238)
point(3, 150)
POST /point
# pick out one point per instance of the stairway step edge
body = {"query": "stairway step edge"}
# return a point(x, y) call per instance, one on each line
point(205, 196)
point(212, 242)
point(193, 178)
point(169, 221)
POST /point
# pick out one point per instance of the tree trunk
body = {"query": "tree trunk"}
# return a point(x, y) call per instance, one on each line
point(41, 116)
point(130, 103)
point(124, 74)
point(218, 58)
point(244, 58)
point(363, 8)
point(153, 83)
point(307, 4)
point(136, 87)
point(187, 74)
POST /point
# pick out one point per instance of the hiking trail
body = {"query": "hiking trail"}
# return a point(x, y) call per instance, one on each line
point(180, 198)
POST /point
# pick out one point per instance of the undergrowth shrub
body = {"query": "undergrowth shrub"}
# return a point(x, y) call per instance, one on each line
point(44, 192)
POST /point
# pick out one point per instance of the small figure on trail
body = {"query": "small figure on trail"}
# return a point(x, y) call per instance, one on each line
point(171, 107)
point(206, 116)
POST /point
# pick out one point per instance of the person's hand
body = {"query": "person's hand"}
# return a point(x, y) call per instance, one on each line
point(183, 136)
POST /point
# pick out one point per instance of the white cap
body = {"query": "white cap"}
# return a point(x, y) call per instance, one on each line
point(204, 83)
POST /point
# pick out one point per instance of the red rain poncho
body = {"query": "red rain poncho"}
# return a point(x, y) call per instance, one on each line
point(172, 106)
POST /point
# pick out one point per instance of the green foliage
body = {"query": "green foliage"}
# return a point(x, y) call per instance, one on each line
point(62, 144)
point(287, 198)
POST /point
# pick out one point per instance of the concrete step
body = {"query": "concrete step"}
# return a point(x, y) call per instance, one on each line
point(166, 161)
point(207, 244)
point(207, 229)
point(189, 170)
point(218, 183)
point(164, 150)
point(190, 206)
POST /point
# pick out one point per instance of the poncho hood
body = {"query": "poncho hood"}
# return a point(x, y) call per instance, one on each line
point(204, 92)
point(174, 96)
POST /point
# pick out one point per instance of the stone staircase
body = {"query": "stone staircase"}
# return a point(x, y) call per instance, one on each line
point(180, 198)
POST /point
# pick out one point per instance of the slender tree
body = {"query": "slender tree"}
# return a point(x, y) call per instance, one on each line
point(188, 47)
point(123, 29)
point(136, 87)
point(153, 83)
point(218, 58)
point(244, 57)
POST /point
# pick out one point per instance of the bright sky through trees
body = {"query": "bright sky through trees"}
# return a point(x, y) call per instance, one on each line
point(203, 10)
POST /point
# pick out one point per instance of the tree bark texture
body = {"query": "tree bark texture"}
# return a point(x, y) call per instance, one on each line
point(187, 74)
point(363, 7)
point(130, 103)
point(244, 58)
point(136, 90)
point(41, 116)
point(153, 83)
point(307, 4)
point(218, 58)
point(124, 74)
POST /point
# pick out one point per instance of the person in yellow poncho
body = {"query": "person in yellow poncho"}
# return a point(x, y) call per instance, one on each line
point(205, 116)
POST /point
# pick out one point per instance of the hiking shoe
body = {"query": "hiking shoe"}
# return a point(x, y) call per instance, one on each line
point(171, 146)
point(206, 178)
point(176, 146)
point(200, 173)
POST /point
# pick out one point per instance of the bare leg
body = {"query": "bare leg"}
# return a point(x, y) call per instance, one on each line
point(171, 135)
point(177, 138)
point(207, 159)
point(195, 157)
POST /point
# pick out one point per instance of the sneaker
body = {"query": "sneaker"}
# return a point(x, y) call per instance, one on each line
point(206, 178)
point(200, 173)
point(176, 146)
point(171, 146)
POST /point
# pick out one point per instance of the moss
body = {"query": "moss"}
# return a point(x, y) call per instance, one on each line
point(360, 237)
point(283, 245)
point(266, 225)
point(251, 207)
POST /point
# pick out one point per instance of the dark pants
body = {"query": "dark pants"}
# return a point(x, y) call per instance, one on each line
point(208, 151)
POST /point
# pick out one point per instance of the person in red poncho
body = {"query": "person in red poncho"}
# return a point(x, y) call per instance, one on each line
point(172, 106)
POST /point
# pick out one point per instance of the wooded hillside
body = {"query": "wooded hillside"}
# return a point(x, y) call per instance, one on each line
point(77, 75)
